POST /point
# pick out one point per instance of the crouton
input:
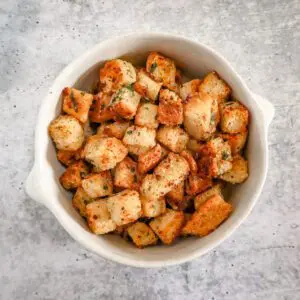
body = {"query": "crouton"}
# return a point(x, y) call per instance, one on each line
point(189, 88)
point(174, 138)
point(77, 103)
point(239, 171)
point(204, 196)
point(168, 226)
point(125, 102)
point(126, 175)
point(175, 197)
point(187, 155)
point(104, 152)
point(148, 160)
point(146, 115)
point(98, 185)
point(139, 139)
point(67, 133)
point(116, 129)
point(208, 217)
point(198, 118)
point(194, 145)
point(162, 69)
point(234, 117)
point(142, 235)
point(115, 74)
point(236, 141)
point(153, 207)
point(125, 207)
point(196, 184)
point(98, 217)
point(146, 86)
point(80, 201)
point(69, 157)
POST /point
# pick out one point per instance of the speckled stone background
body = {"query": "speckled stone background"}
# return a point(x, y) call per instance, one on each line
point(38, 260)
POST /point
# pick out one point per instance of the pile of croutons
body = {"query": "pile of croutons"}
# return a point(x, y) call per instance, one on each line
point(147, 156)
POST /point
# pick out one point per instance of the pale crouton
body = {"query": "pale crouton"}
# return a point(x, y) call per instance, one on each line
point(153, 207)
point(198, 118)
point(139, 139)
point(125, 102)
point(188, 156)
point(208, 217)
point(235, 141)
point(174, 138)
point(189, 88)
point(104, 152)
point(239, 171)
point(142, 235)
point(126, 174)
point(168, 226)
point(80, 200)
point(204, 196)
point(194, 145)
point(146, 115)
point(67, 133)
point(72, 177)
point(77, 103)
point(125, 207)
point(175, 197)
point(115, 74)
point(98, 217)
point(234, 117)
point(148, 160)
point(116, 129)
point(146, 86)
point(69, 157)
point(98, 185)
point(196, 184)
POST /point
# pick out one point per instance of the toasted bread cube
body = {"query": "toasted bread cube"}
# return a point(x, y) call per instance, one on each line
point(204, 196)
point(176, 198)
point(162, 69)
point(72, 177)
point(188, 156)
point(208, 217)
point(199, 120)
point(152, 188)
point(239, 171)
point(236, 141)
point(174, 138)
point(80, 200)
point(125, 102)
point(98, 185)
point(189, 88)
point(146, 86)
point(77, 103)
point(125, 207)
point(126, 175)
point(194, 145)
point(197, 184)
point(69, 157)
point(142, 235)
point(153, 207)
point(67, 133)
point(116, 129)
point(168, 226)
point(98, 217)
point(104, 152)
point(139, 139)
point(148, 160)
point(146, 116)
point(213, 85)
point(115, 74)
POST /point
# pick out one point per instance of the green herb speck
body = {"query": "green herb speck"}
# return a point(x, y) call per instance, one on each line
point(225, 155)
point(153, 67)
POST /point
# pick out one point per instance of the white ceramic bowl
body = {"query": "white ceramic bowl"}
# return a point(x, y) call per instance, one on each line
point(43, 186)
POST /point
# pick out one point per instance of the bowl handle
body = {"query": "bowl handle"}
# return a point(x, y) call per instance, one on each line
point(267, 108)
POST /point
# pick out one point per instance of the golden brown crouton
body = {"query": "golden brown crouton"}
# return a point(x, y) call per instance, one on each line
point(189, 88)
point(204, 196)
point(126, 175)
point(77, 103)
point(98, 217)
point(80, 200)
point(168, 226)
point(148, 160)
point(67, 133)
point(142, 235)
point(69, 157)
point(187, 155)
point(98, 185)
point(234, 117)
point(72, 177)
point(194, 145)
point(239, 171)
point(153, 207)
point(116, 129)
point(146, 115)
point(196, 184)
point(175, 197)
point(235, 141)
point(174, 138)
point(208, 217)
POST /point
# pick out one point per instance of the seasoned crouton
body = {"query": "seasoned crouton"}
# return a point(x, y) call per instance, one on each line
point(116, 129)
point(189, 88)
point(153, 207)
point(174, 138)
point(235, 141)
point(213, 85)
point(170, 108)
point(198, 116)
point(146, 116)
point(187, 155)
point(104, 152)
point(176, 199)
point(194, 145)
point(67, 133)
point(126, 175)
point(146, 86)
point(69, 157)
point(168, 226)
point(148, 160)
point(142, 235)
point(125, 207)
point(72, 177)
point(239, 171)
point(98, 185)
point(80, 201)
point(204, 196)
point(99, 218)
point(115, 74)
point(208, 217)
point(139, 139)
point(162, 69)
point(77, 103)
point(196, 184)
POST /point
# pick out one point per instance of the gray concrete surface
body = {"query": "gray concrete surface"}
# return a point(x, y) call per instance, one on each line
point(38, 260)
